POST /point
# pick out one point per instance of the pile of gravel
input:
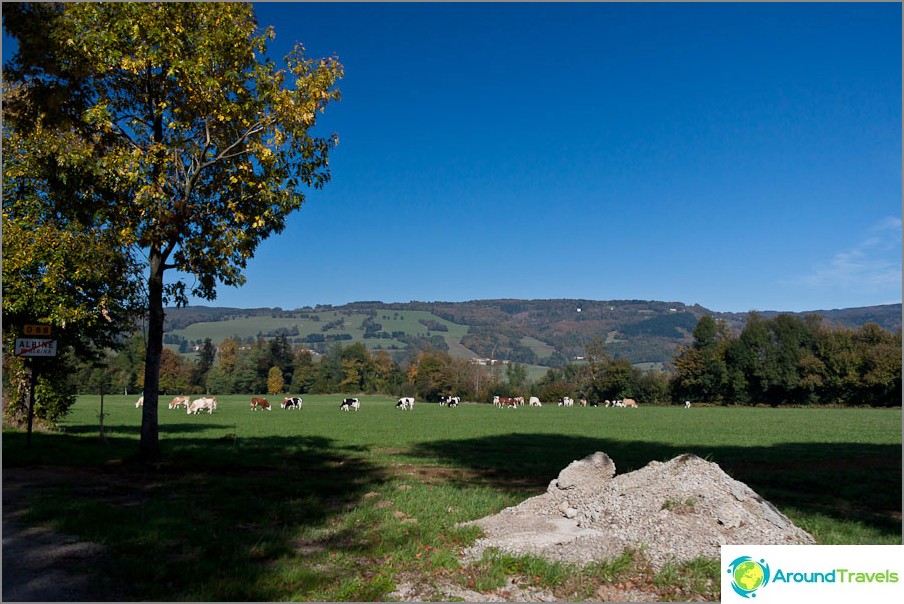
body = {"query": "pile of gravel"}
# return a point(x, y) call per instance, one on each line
point(670, 511)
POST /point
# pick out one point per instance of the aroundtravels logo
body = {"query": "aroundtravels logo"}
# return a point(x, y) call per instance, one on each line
point(748, 575)
point(796, 573)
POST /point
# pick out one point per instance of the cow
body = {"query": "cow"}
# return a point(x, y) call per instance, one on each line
point(629, 402)
point(519, 400)
point(583, 402)
point(687, 404)
point(406, 402)
point(179, 401)
point(139, 402)
point(260, 403)
point(201, 404)
point(453, 401)
point(291, 402)
point(350, 403)
point(566, 401)
point(447, 400)
point(505, 401)
point(534, 402)
point(594, 403)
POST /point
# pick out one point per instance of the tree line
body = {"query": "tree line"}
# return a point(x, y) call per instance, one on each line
point(789, 360)
point(781, 361)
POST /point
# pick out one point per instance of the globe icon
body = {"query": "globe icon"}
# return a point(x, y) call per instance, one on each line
point(748, 575)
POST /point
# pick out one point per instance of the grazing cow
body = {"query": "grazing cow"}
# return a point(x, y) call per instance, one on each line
point(505, 401)
point(687, 404)
point(566, 402)
point(292, 402)
point(406, 402)
point(534, 402)
point(349, 404)
point(139, 402)
point(450, 400)
point(629, 402)
point(209, 404)
point(594, 403)
point(583, 402)
point(260, 403)
point(179, 401)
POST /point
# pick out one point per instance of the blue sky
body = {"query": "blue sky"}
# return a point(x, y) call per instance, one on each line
point(739, 156)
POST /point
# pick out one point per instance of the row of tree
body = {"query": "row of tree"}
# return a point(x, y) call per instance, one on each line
point(789, 360)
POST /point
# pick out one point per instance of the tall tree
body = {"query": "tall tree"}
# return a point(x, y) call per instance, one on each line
point(202, 144)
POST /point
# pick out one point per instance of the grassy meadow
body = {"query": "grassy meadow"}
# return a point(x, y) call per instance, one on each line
point(325, 505)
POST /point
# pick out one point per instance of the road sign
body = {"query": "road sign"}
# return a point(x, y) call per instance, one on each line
point(35, 347)
point(37, 330)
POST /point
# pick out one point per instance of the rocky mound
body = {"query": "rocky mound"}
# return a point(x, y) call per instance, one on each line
point(671, 511)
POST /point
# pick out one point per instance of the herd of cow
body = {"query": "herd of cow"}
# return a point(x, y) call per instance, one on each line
point(567, 401)
point(209, 403)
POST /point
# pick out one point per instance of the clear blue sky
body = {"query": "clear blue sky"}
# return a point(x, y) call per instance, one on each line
point(739, 156)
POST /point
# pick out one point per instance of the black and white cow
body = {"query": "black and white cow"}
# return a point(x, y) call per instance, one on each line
point(406, 402)
point(291, 402)
point(450, 400)
point(349, 404)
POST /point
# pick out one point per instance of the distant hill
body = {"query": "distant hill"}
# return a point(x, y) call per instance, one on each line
point(533, 332)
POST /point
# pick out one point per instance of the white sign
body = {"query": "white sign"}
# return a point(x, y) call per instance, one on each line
point(35, 347)
point(790, 574)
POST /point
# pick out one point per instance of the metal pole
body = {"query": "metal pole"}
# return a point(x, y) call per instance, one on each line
point(32, 378)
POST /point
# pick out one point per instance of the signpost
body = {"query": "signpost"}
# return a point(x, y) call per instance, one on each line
point(33, 346)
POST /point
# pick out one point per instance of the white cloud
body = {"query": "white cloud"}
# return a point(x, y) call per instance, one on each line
point(873, 265)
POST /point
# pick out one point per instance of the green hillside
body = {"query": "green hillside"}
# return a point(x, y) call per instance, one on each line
point(535, 333)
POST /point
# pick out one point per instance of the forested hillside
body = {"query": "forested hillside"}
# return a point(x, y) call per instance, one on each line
point(533, 332)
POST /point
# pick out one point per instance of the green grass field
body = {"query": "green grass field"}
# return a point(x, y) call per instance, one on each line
point(320, 504)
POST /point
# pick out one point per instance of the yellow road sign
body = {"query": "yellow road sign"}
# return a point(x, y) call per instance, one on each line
point(37, 330)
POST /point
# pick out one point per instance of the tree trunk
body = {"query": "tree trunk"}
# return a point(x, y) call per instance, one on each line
point(150, 443)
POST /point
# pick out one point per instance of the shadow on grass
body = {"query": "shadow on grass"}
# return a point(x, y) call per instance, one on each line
point(846, 481)
point(169, 428)
point(206, 522)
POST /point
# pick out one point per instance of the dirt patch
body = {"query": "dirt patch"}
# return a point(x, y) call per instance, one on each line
point(674, 511)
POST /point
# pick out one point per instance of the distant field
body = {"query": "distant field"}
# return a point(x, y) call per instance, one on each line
point(408, 321)
point(325, 505)
point(391, 321)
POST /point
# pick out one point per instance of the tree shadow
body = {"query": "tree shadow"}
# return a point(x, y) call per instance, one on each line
point(845, 481)
point(165, 430)
point(211, 517)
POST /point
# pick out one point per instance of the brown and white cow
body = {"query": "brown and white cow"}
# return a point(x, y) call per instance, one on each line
point(179, 401)
point(208, 403)
point(260, 403)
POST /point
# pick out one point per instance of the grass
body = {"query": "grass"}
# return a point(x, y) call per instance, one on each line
point(324, 505)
